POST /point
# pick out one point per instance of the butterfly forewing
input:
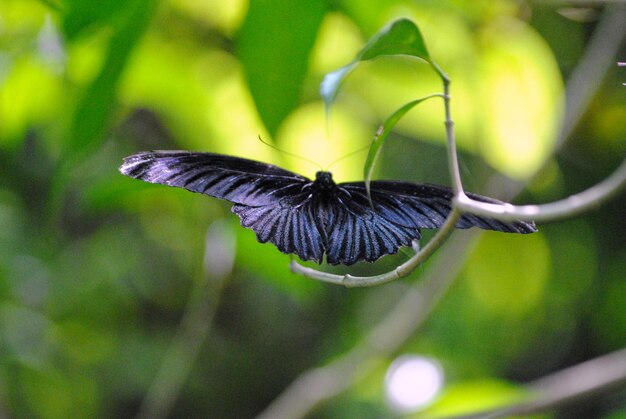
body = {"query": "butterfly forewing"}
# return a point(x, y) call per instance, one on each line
point(234, 179)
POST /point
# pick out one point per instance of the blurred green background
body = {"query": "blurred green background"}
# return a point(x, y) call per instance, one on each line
point(97, 271)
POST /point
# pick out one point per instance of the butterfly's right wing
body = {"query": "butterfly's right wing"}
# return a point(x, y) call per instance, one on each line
point(428, 206)
point(271, 201)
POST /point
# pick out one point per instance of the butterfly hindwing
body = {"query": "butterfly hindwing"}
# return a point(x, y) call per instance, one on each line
point(289, 224)
point(358, 232)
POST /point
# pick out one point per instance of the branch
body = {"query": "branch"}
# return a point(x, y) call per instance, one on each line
point(194, 326)
point(566, 386)
point(565, 208)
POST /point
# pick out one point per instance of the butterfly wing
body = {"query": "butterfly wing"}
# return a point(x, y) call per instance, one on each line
point(269, 200)
point(290, 224)
point(240, 181)
point(353, 231)
point(427, 206)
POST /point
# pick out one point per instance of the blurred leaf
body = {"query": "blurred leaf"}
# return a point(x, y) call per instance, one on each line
point(274, 46)
point(381, 136)
point(24, 334)
point(85, 342)
point(54, 5)
point(474, 396)
point(97, 104)
point(57, 394)
point(81, 15)
point(29, 94)
point(609, 314)
point(508, 273)
point(402, 37)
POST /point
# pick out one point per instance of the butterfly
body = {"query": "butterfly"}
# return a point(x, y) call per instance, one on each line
point(313, 218)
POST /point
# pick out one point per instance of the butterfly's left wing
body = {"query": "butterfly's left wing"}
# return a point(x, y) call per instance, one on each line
point(238, 180)
point(269, 200)
point(426, 206)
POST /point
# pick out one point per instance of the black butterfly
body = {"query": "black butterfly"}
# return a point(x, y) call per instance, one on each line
point(313, 218)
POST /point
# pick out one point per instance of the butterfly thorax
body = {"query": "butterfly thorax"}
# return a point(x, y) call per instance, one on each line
point(324, 181)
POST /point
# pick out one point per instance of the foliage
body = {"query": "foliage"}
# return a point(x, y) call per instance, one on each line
point(96, 270)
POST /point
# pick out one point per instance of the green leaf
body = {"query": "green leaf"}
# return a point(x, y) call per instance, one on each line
point(381, 137)
point(97, 104)
point(80, 15)
point(94, 109)
point(274, 46)
point(53, 5)
point(402, 37)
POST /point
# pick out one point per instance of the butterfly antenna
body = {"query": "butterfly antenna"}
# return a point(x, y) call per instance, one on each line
point(290, 154)
point(345, 156)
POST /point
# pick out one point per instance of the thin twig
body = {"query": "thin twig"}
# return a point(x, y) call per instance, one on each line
point(564, 387)
point(453, 158)
point(565, 208)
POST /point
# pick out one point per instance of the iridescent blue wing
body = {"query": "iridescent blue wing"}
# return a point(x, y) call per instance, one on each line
point(269, 200)
point(290, 224)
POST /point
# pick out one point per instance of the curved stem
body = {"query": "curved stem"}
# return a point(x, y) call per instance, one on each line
point(401, 271)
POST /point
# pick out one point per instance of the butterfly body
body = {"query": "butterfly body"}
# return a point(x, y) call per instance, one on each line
point(313, 218)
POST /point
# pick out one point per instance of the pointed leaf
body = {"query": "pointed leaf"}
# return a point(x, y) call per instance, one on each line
point(402, 37)
point(95, 108)
point(274, 45)
point(381, 136)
